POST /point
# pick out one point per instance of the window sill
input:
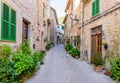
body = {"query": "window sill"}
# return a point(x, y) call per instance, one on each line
point(8, 41)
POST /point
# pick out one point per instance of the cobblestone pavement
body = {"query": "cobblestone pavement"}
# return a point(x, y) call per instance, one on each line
point(60, 67)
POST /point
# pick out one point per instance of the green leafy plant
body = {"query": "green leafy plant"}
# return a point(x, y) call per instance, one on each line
point(23, 63)
point(74, 52)
point(6, 71)
point(68, 47)
point(5, 51)
point(115, 69)
point(97, 60)
point(48, 46)
point(105, 45)
point(25, 48)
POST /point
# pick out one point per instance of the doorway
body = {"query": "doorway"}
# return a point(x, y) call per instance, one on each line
point(25, 31)
point(96, 41)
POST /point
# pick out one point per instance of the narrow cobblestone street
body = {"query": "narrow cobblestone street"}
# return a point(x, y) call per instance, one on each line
point(60, 67)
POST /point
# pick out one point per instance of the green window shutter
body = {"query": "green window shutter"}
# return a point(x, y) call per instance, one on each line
point(5, 12)
point(97, 6)
point(13, 25)
point(13, 16)
point(8, 30)
point(93, 8)
point(5, 22)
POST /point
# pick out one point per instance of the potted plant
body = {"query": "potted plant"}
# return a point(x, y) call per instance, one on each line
point(107, 72)
point(97, 61)
point(105, 45)
point(48, 46)
point(75, 53)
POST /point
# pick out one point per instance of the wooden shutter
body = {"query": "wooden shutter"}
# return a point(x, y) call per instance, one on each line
point(5, 22)
point(93, 8)
point(8, 30)
point(13, 25)
point(97, 6)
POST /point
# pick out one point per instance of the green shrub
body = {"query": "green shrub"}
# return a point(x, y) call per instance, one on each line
point(23, 63)
point(68, 47)
point(42, 55)
point(74, 52)
point(36, 57)
point(5, 51)
point(48, 46)
point(6, 71)
point(97, 60)
point(25, 48)
point(115, 68)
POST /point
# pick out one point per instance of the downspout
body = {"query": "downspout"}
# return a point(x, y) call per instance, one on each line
point(82, 20)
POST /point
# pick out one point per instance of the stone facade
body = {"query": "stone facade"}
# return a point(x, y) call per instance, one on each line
point(107, 21)
point(31, 12)
point(54, 23)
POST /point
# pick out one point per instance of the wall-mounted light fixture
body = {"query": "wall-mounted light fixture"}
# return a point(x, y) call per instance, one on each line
point(73, 17)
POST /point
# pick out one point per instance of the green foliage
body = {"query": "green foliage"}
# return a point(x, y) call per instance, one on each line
point(38, 56)
point(115, 68)
point(5, 51)
point(105, 44)
point(25, 48)
point(97, 60)
point(48, 46)
point(74, 52)
point(21, 65)
point(6, 71)
point(68, 47)
point(71, 50)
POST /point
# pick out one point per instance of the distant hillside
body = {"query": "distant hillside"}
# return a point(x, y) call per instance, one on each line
point(60, 20)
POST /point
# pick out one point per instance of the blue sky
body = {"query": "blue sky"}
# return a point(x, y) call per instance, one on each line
point(59, 6)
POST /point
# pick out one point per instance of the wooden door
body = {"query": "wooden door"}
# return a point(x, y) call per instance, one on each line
point(25, 31)
point(96, 42)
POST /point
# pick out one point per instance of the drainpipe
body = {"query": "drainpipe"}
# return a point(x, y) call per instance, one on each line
point(82, 18)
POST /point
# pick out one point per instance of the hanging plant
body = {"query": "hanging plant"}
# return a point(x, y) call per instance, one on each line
point(105, 45)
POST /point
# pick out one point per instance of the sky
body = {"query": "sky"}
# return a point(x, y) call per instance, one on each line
point(59, 6)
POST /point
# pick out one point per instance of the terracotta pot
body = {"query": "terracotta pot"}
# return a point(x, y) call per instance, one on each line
point(98, 68)
point(107, 72)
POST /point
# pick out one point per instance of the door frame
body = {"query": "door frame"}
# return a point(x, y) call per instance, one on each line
point(24, 22)
point(95, 35)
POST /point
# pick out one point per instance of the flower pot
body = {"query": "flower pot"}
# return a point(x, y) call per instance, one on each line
point(98, 68)
point(107, 72)
point(106, 47)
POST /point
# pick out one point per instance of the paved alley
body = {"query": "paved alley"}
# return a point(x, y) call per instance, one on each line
point(60, 67)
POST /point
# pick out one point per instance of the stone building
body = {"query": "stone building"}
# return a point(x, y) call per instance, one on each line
point(24, 19)
point(54, 23)
point(60, 34)
point(98, 20)
point(72, 26)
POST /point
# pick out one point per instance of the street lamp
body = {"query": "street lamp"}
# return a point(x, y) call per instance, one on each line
point(73, 17)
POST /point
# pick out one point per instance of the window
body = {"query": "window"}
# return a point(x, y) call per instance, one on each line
point(95, 7)
point(8, 30)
